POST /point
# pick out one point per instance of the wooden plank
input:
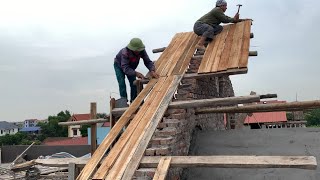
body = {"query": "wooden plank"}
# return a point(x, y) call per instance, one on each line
point(212, 50)
point(243, 62)
point(93, 115)
point(106, 143)
point(162, 169)
point(167, 59)
point(188, 57)
point(109, 161)
point(263, 107)
point(91, 121)
point(226, 52)
point(222, 44)
point(183, 57)
point(236, 46)
point(301, 162)
point(160, 62)
point(220, 40)
point(217, 74)
point(176, 55)
point(135, 160)
point(127, 154)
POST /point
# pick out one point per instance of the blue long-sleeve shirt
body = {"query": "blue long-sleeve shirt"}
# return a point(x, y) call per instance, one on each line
point(128, 61)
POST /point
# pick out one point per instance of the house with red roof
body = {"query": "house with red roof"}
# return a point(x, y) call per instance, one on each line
point(63, 141)
point(261, 119)
point(74, 130)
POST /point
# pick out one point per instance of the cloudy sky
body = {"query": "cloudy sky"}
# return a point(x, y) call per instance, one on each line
point(58, 55)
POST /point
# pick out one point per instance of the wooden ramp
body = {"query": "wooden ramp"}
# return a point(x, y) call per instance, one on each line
point(229, 49)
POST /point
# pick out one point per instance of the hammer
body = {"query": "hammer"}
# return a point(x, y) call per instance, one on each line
point(239, 5)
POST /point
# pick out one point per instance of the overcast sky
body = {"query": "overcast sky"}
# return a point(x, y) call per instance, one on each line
point(58, 55)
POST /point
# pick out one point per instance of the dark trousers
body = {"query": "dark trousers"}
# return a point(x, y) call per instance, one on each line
point(122, 84)
point(206, 30)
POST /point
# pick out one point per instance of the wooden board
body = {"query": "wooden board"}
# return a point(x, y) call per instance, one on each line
point(162, 169)
point(108, 162)
point(132, 143)
point(114, 132)
point(222, 43)
point(243, 62)
point(236, 46)
point(301, 162)
point(223, 64)
point(136, 158)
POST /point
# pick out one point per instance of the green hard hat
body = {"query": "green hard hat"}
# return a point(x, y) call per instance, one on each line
point(136, 45)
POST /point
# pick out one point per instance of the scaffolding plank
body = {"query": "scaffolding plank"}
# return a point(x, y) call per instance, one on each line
point(301, 162)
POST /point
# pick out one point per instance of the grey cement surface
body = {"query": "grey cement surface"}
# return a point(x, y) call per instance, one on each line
point(290, 142)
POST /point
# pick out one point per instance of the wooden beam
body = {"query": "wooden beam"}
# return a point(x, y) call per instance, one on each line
point(228, 72)
point(291, 106)
point(162, 169)
point(301, 162)
point(158, 50)
point(253, 53)
point(210, 102)
point(82, 122)
point(112, 118)
point(93, 115)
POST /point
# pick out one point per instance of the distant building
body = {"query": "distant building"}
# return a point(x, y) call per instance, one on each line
point(30, 123)
point(31, 130)
point(102, 132)
point(74, 130)
point(8, 128)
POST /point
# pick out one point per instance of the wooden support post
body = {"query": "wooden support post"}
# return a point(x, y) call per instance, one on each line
point(139, 85)
point(112, 105)
point(93, 115)
point(72, 171)
point(162, 169)
point(292, 106)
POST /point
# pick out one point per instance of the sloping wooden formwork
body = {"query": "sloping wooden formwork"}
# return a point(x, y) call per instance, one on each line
point(229, 50)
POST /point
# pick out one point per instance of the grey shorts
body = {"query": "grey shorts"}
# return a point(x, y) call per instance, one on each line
point(206, 30)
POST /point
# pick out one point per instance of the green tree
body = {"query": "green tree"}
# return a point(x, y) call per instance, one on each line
point(52, 129)
point(313, 117)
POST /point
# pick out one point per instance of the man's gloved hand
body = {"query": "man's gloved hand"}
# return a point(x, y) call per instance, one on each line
point(154, 74)
point(139, 75)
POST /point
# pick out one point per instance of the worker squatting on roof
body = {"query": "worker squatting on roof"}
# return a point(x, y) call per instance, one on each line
point(208, 25)
point(125, 64)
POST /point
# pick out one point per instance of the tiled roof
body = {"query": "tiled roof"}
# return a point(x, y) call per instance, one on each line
point(106, 124)
point(80, 117)
point(61, 141)
point(4, 125)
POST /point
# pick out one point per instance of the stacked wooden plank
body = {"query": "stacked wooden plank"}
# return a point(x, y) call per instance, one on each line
point(229, 49)
point(176, 57)
point(129, 149)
